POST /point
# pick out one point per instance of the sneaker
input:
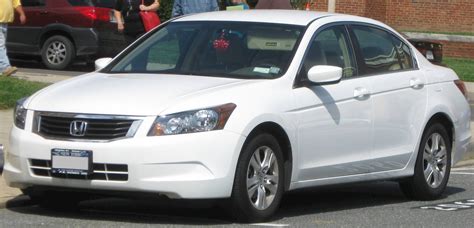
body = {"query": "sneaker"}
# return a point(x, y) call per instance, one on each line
point(9, 71)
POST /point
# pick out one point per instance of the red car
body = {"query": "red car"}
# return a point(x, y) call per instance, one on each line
point(61, 30)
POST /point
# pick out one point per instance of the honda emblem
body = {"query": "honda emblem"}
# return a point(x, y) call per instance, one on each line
point(78, 128)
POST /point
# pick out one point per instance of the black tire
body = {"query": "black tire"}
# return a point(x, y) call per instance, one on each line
point(66, 52)
point(242, 209)
point(417, 187)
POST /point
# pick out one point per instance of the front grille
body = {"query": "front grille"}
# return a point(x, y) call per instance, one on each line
point(96, 127)
point(101, 171)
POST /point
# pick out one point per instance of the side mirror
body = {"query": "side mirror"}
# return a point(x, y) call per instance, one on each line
point(102, 62)
point(324, 74)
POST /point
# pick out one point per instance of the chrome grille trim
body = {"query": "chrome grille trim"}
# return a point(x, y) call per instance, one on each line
point(101, 171)
point(55, 125)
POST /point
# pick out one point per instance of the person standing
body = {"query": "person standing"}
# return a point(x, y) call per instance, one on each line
point(127, 14)
point(252, 3)
point(7, 15)
point(242, 3)
point(183, 7)
point(273, 4)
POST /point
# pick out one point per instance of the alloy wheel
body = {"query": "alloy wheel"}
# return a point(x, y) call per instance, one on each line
point(435, 160)
point(56, 52)
point(262, 177)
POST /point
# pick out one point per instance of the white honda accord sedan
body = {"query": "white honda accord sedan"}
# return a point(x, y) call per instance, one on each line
point(245, 106)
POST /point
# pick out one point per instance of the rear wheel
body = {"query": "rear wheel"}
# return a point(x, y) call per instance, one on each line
point(259, 180)
point(432, 167)
point(58, 52)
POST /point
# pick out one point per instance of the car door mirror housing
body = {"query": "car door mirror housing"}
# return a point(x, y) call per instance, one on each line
point(323, 74)
point(102, 62)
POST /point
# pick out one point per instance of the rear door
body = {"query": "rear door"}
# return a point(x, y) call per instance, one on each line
point(37, 16)
point(398, 95)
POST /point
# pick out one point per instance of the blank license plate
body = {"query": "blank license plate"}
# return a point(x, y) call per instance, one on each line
point(429, 55)
point(71, 162)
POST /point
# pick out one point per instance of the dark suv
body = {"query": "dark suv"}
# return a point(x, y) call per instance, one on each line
point(61, 30)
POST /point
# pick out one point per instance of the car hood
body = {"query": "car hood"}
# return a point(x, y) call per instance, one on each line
point(125, 94)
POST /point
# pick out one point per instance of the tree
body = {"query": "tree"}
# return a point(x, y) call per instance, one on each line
point(299, 4)
point(166, 6)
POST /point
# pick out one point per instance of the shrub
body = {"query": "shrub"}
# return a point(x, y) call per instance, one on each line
point(166, 6)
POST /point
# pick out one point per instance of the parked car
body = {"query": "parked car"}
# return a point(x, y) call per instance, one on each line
point(433, 51)
point(246, 106)
point(60, 30)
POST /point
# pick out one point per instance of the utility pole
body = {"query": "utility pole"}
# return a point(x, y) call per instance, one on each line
point(332, 6)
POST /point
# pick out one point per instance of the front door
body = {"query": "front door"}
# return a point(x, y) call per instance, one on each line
point(334, 121)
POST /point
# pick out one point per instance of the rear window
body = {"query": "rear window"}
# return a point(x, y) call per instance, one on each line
point(28, 3)
point(97, 3)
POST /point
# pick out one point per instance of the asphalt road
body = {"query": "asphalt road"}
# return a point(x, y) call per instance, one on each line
point(360, 205)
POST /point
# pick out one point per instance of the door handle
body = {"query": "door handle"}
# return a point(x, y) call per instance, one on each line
point(361, 92)
point(416, 83)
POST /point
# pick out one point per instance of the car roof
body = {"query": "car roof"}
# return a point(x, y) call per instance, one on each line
point(292, 17)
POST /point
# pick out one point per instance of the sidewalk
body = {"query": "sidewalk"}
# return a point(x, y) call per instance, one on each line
point(6, 117)
point(6, 193)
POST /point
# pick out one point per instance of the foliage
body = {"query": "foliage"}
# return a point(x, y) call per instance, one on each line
point(298, 4)
point(166, 6)
point(12, 89)
point(463, 67)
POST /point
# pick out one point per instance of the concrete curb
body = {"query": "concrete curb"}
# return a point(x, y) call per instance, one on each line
point(465, 163)
point(440, 37)
point(7, 193)
point(40, 77)
point(469, 86)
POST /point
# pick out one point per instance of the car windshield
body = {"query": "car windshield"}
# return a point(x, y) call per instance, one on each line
point(219, 49)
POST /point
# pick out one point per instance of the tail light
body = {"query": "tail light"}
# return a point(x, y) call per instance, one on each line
point(95, 13)
point(462, 87)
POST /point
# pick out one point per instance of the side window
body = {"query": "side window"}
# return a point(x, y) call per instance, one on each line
point(29, 3)
point(377, 49)
point(404, 53)
point(331, 47)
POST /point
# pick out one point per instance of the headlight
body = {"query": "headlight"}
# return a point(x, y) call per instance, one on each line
point(200, 120)
point(20, 114)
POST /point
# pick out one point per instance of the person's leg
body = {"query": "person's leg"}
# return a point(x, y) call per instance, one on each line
point(4, 62)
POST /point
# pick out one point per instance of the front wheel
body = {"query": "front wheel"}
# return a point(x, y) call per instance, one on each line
point(259, 180)
point(433, 165)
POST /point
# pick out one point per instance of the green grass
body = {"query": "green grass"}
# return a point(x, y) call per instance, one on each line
point(463, 67)
point(12, 89)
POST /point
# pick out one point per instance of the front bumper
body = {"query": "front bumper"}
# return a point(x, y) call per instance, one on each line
point(191, 166)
